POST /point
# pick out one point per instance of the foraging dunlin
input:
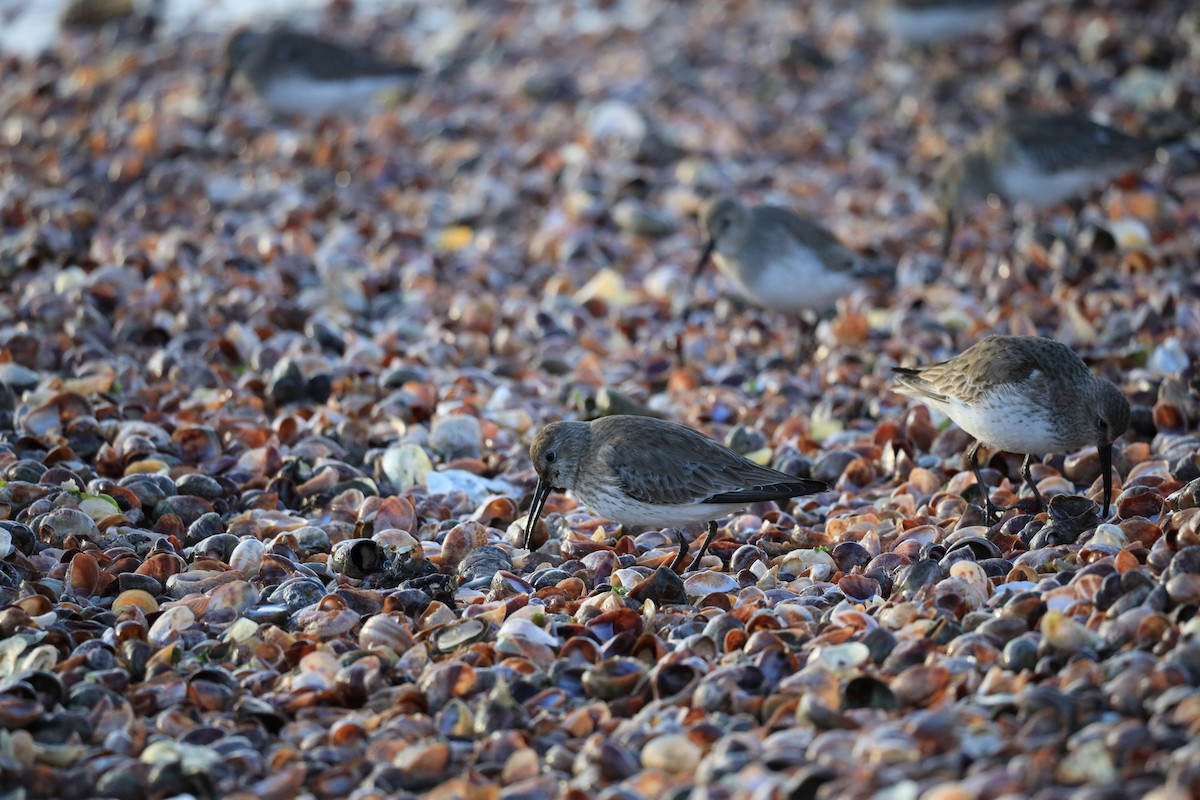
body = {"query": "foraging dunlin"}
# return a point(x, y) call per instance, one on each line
point(297, 73)
point(929, 21)
point(644, 471)
point(1023, 394)
point(1040, 159)
point(780, 260)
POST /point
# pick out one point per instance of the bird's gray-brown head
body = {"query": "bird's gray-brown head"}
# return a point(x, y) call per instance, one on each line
point(725, 223)
point(1111, 412)
point(556, 453)
point(725, 220)
point(1109, 419)
point(259, 56)
point(959, 181)
point(240, 46)
point(962, 179)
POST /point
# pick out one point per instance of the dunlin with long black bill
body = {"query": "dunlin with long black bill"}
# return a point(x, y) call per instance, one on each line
point(298, 73)
point(1039, 159)
point(1023, 394)
point(644, 471)
point(779, 260)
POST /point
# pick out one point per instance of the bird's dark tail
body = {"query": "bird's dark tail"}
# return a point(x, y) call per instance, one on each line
point(882, 271)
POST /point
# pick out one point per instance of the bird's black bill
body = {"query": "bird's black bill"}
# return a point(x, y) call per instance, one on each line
point(948, 234)
point(1105, 452)
point(218, 99)
point(708, 248)
point(535, 511)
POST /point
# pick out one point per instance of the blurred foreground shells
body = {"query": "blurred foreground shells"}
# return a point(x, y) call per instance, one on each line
point(267, 391)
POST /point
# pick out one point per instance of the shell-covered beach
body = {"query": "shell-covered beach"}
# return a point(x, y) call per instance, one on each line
point(267, 390)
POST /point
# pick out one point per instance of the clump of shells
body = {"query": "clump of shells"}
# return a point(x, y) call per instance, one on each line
point(266, 394)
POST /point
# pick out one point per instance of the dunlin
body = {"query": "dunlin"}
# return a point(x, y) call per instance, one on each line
point(780, 260)
point(1023, 394)
point(644, 471)
point(1039, 159)
point(929, 21)
point(297, 73)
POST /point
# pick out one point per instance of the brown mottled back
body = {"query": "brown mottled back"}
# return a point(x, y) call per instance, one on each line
point(1059, 142)
point(993, 362)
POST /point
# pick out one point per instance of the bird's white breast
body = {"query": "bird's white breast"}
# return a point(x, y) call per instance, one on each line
point(1023, 180)
point(618, 507)
point(1009, 422)
point(304, 95)
point(795, 281)
point(923, 25)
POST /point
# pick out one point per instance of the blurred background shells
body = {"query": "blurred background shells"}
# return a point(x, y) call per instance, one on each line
point(267, 388)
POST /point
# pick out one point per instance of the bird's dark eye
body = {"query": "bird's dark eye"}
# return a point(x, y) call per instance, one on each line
point(550, 458)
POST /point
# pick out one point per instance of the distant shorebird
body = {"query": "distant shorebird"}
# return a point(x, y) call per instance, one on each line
point(1023, 394)
point(780, 260)
point(930, 21)
point(297, 73)
point(644, 471)
point(1039, 159)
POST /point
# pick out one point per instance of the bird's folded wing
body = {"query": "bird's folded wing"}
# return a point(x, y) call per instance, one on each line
point(663, 481)
point(653, 480)
point(1065, 143)
point(769, 491)
point(913, 383)
point(330, 60)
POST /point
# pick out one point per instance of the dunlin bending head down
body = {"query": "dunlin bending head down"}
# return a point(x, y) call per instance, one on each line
point(1040, 159)
point(780, 260)
point(644, 471)
point(298, 73)
point(1023, 394)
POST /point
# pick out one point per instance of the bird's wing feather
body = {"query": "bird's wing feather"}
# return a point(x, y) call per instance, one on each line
point(833, 254)
point(992, 365)
point(695, 469)
point(696, 482)
point(769, 491)
point(1065, 142)
point(813, 233)
point(327, 60)
point(917, 386)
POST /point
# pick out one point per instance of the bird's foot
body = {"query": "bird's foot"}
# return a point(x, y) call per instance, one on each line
point(1025, 505)
point(681, 557)
point(709, 535)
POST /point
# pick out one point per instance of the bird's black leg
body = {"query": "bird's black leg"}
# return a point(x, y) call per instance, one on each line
point(806, 337)
point(708, 537)
point(948, 227)
point(973, 460)
point(1106, 473)
point(1027, 474)
point(681, 557)
point(1075, 226)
